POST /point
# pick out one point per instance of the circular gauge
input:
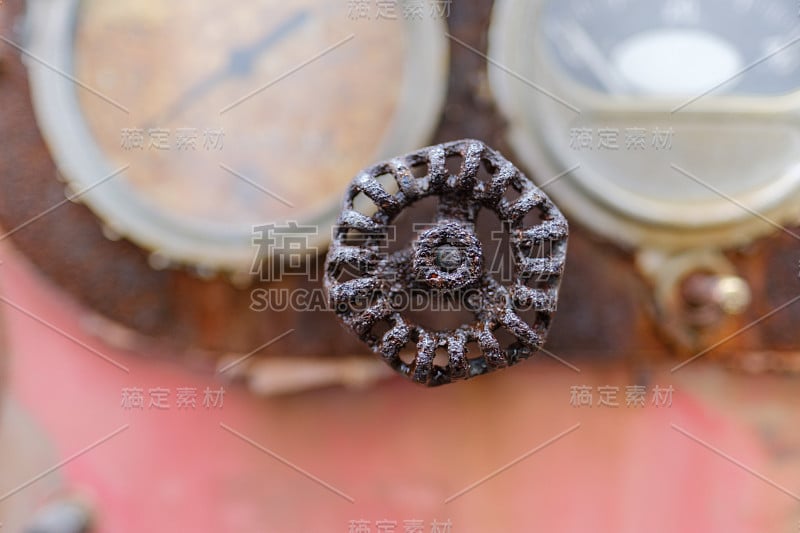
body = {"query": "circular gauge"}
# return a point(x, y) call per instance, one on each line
point(668, 124)
point(184, 125)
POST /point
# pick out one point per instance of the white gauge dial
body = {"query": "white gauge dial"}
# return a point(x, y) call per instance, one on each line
point(678, 122)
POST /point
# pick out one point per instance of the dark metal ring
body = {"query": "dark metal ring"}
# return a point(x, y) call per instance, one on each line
point(363, 280)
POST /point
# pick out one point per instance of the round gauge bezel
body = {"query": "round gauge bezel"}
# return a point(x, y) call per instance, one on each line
point(627, 218)
point(179, 240)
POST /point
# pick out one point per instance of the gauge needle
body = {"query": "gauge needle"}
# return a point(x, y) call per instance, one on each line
point(597, 62)
point(240, 64)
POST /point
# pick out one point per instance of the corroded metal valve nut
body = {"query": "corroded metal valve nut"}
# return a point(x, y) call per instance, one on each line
point(448, 256)
point(366, 282)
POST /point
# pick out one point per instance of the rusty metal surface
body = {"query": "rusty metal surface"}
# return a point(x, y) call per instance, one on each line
point(605, 307)
point(370, 286)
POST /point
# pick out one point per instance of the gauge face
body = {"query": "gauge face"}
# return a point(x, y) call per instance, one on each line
point(664, 124)
point(223, 116)
point(677, 47)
